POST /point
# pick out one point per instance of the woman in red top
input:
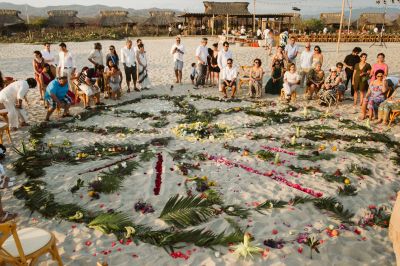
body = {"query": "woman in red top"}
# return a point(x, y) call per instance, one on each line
point(38, 65)
point(44, 79)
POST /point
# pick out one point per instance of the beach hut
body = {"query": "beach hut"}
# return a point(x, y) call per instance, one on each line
point(10, 21)
point(162, 19)
point(369, 21)
point(219, 16)
point(64, 18)
point(331, 20)
point(115, 18)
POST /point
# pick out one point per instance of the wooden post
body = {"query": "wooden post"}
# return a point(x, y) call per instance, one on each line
point(340, 30)
point(254, 16)
point(351, 9)
point(212, 25)
point(227, 23)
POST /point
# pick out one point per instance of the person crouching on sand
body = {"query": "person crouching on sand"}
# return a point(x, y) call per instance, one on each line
point(56, 96)
point(12, 97)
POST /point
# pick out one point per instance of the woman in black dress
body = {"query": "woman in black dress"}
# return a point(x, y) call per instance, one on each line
point(213, 66)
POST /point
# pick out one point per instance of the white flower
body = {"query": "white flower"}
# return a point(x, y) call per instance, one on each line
point(231, 209)
point(123, 164)
point(358, 140)
point(142, 151)
point(211, 137)
point(217, 254)
point(331, 227)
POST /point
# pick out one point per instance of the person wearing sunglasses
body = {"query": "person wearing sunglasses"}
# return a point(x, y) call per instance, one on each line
point(178, 50)
point(112, 56)
point(375, 96)
point(328, 92)
point(256, 79)
point(305, 63)
point(228, 79)
point(318, 57)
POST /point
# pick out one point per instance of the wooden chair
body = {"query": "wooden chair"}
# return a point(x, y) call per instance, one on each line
point(4, 126)
point(293, 96)
point(243, 77)
point(393, 115)
point(28, 244)
point(78, 93)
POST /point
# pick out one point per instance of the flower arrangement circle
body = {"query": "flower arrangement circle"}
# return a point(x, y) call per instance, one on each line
point(202, 131)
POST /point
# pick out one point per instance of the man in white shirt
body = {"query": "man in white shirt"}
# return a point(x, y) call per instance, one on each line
point(292, 50)
point(305, 63)
point(96, 55)
point(49, 58)
point(224, 55)
point(66, 65)
point(228, 78)
point(12, 97)
point(201, 57)
point(178, 50)
point(128, 59)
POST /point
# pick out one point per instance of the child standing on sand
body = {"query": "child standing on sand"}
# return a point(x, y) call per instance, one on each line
point(193, 73)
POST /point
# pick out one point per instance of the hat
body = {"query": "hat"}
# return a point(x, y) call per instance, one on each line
point(333, 69)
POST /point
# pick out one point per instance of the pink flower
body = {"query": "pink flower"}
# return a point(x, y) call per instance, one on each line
point(300, 250)
point(274, 232)
point(88, 243)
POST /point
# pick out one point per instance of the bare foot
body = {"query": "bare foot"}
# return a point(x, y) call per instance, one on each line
point(378, 121)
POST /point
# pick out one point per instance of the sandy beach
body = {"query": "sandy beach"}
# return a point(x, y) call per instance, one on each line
point(237, 185)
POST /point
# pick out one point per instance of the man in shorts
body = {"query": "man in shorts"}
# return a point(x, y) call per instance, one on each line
point(178, 50)
point(228, 78)
point(56, 96)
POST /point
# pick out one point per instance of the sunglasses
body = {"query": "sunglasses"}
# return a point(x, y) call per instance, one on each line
point(379, 76)
point(229, 63)
point(308, 47)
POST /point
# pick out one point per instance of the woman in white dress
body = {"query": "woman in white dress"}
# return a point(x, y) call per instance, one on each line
point(291, 81)
point(143, 77)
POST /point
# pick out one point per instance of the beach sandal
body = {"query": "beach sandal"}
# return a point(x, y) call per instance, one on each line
point(7, 216)
point(6, 183)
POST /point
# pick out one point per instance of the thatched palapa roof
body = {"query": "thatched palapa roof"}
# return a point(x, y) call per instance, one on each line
point(9, 17)
point(374, 19)
point(224, 8)
point(64, 18)
point(161, 18)
point(113, 18)
point(331, 18)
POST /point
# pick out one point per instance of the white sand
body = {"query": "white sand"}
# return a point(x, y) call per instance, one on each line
point(236, 185)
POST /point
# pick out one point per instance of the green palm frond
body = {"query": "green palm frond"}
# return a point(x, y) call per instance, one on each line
point(111, 222)
point(186, 211)
point(367, 152)
point(359, 170)
point(146, 156)
point(236, 210)
point(301, 200)
point(347, 190)
point(336, 208)
point(265, 155)
point(315, 158)
point(270, 204)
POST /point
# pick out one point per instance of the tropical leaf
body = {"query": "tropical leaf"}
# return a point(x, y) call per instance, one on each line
point(265, 155)
point(111, 222)
point(236, 210)
point(336, 208)
point(186, 211)
point(347, 190)
point(270, 204)
point(359, 170)
point(315, 158)
point(367, 152)
point(301, 200)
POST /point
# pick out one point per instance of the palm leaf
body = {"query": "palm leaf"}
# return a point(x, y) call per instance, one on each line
point(301, 200)
point(270, 204)
point(111, 222)
point(336, 208)
point(186, 211)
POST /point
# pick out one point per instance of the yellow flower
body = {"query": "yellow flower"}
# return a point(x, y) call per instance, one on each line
point(212, 184)
point(204, 178)
point(322, 147)
point(347, 181)
point(334, 148)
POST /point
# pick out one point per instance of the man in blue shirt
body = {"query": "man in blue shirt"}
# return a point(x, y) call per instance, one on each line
point(56, 96)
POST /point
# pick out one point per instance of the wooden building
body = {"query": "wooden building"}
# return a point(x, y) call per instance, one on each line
point(115, 18)
point(219, 16)
point(369, 21)
point(332, 20)
point(10, 21)
point(64, 18)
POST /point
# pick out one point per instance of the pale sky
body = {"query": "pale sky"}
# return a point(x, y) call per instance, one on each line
point(197, 6)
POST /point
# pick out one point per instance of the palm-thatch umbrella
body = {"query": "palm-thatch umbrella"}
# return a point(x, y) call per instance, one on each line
point(115, 18)
point(161, 19)
point(10, 19)
point(64, 18)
